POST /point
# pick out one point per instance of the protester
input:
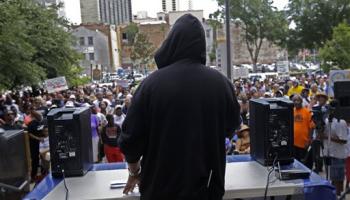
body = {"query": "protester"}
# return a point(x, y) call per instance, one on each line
point(302, 132)
point(334, 140)
point(295, 89)
point(119, 116)
point(180, 116)
point(305, 96)
point(244, 104)
point(36, 135)
point(126, 104)
point(243, 142)
point(94, 133)
point(8, 122)
point(347, 165)
point(110, 135)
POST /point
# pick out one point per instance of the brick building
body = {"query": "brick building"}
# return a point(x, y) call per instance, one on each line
point(99, 45)
point(156, 32)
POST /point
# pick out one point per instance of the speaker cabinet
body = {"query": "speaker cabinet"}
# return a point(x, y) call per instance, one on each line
point(70, 141)
point(271, 130)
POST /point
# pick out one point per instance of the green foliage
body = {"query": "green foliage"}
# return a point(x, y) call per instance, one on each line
point(131, 31)
point(142, 50)
point(259, 21)
point(314, 21)
point(34, 44)
point(336, 52)
point(215, 25)
point(212, 55)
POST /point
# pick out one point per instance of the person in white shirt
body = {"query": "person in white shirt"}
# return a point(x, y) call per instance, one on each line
point(305, 95)
point(334, 141)
point(119, 116)
point(100, 98)
point(347, 165)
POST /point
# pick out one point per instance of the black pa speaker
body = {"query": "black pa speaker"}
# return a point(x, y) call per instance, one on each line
point(342, 95)
point(271, 130)
point(14, 177)
point(70, 141)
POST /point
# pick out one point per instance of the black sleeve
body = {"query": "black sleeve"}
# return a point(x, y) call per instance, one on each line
point(132, 140)
point(233, 112)
point(32, 127)
point(103, 135)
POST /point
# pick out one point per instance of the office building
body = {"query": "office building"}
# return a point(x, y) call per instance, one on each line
point(99, 45)
point(114, 12)
point(61, 11)
point(170, 5)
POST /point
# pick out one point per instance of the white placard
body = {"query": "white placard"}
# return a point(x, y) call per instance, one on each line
point(123, 83)
point(240, 72)
point(282, 66)
point(56, 84)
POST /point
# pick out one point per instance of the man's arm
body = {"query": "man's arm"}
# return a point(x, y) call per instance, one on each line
point(133, 137)
point(342, 133)
point(134, 177)
point(233, 112)
point(337, 140)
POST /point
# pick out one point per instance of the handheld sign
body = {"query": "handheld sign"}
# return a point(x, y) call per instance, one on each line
point(56, 84)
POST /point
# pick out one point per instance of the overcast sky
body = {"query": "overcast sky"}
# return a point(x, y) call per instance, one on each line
point(154, 6)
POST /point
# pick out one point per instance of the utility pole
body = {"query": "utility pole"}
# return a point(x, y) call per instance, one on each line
point(228, 39)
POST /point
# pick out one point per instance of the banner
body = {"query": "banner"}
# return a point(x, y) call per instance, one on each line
point(337, 75)
point(96, 74)
point(123, 83)
point(282, 66)
point(56, 84)
point(240, 72)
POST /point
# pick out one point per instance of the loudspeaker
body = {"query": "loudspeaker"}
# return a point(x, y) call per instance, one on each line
point(14, 176)
point(70, 141)
point(271, 130)
point(342, 94)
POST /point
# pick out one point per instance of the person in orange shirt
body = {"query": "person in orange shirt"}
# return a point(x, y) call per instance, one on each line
point(302, 131)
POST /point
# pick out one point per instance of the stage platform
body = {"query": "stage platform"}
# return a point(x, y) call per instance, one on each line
point(244, 179)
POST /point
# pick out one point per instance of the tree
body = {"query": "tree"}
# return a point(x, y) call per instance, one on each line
point(34, 44)
point(215, 24)
point(314, 21)
point(131, 31)
point(259, 21)
point(336, 52)
point(142, 50)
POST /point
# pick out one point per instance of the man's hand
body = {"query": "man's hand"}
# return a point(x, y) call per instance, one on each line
point(132, 182)
point(134, 177)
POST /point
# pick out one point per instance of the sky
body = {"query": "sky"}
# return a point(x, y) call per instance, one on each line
point(72, 7)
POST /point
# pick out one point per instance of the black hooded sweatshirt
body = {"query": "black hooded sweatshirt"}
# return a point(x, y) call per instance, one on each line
point(178, 120)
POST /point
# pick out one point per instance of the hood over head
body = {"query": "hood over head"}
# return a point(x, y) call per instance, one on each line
point(186, 40)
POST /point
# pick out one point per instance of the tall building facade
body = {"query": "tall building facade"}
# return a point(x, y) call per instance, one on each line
point(106, 11)
point(61, 11)
point(170, 5)
point(99, 45)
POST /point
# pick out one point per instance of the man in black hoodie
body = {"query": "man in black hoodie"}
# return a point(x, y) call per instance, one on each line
point(178, 122)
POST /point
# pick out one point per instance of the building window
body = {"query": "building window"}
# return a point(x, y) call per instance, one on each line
point(160, 18)
point(124, 36)
point(82, 41)
point(91, 56)
point(90, 41)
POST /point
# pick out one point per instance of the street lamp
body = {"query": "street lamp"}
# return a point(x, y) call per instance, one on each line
point(228, 39)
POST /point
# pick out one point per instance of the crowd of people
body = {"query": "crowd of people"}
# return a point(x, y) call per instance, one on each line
point(28, 109)
point(109, 107)
point(315, 138)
